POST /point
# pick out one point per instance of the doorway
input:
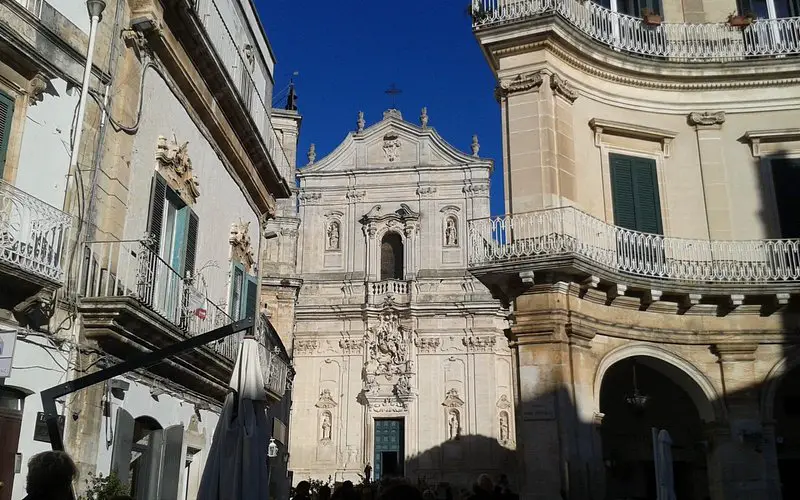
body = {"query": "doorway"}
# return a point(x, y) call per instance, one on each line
point(389, 439)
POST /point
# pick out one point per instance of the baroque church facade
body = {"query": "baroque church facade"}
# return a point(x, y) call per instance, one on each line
point(402, 363)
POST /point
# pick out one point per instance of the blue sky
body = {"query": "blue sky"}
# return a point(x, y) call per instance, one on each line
point(349, 52)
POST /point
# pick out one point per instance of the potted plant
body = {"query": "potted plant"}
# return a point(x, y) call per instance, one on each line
point(740, 21)
point(100, 487)
point(650, 18)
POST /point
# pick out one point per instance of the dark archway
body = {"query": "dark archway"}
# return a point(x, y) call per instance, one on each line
point(635, 398)
point(391, 257)
point(787, 433)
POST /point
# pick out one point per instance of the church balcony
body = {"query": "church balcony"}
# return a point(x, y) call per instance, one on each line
point(679, 42)
point(630, 268)
point(132, 301)
point(395, 291)
point(32, 241)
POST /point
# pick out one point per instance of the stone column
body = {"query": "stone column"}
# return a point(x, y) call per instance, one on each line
point(564, 95)
point(737, 466)
point(712, 166)
point(586, 471)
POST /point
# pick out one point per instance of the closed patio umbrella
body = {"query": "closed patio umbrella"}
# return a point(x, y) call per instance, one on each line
point(236, 468)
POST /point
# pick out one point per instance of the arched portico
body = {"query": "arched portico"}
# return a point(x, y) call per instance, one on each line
point(654, 408)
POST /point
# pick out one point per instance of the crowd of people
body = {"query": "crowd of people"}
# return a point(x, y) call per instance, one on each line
point(401, 489)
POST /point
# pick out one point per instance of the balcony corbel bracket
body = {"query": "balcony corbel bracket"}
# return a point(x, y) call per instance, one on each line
point(651, 297)
point(527, 277)
point(689, 302)
point(615, 292)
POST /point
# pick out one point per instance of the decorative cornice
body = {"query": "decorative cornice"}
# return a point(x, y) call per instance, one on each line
point(176, 167)
point(756, 137)
point(452, 399)
point(305, 346)
point(740, 351)
point(389, 405)
point(427, 344)
point(351, 346)
point(562, 88)
point(664, 137)
point(308, 198)
point(326, 400)
point(520, 83)
point(425, 191)
point(706, 119)
point(615, 75)
point(479, 343)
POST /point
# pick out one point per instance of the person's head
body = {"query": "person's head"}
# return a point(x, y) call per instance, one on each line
point(347, 485)
point(485, 482)
point(400, 492)
point(50, 475)
point(302, 488)
point(324, 492)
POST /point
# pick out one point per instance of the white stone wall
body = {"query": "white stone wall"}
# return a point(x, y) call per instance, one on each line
point(221, 201)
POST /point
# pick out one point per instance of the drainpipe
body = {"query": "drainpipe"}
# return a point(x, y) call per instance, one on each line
point(95, 8)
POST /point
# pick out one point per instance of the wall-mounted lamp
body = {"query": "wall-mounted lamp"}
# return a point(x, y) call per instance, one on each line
point(272, 449)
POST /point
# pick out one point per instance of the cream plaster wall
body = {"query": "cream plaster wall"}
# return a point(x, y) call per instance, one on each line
point(221, 202)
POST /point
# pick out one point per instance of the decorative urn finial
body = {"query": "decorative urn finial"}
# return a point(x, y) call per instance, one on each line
point(312, 154)
point(475, 146)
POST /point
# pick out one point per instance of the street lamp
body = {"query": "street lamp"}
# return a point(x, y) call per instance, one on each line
point(272, 452)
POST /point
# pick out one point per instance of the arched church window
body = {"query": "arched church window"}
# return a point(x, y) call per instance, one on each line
point(391, 257)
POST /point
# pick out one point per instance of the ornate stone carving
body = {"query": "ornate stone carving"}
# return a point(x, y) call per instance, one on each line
point(309, 198)
point(387, 346)
point(360, 122)
point(403, 386)
point(475, 146)
point(389, 405)
point(312, 154)
point(706, 119)
point(241, 245)
point(562, 88)
point(504, 428)
point(326, 400)
point(471, 188)
point(423, 118)
point(306, 346)
point(393, 113)
point(503, 403)
point(36, 90)
point(427, 344)
point(479, 343)
point(426, 190)
point(354, 195)
point(391, 146)
point(176, 166)
point(520, 83)
point(452, 399)
point(333, 234)
point(350, 346)
point(453, 424)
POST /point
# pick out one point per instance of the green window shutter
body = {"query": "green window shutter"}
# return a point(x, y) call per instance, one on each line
point(251, 297)
point(622, 191)
point(6, 117)
point(237, 282)
point(190, 249)
point(645, 195)
point(634, 188)
point(786, 177)
point(155, 219)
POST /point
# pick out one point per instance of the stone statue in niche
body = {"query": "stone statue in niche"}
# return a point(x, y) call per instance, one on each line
point(333, 235)
point(326, 426)
point(504, 427)
point(453, 424)
point(450, 232)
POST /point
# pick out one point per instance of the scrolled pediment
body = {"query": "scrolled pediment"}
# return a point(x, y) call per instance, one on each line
point(378, 214)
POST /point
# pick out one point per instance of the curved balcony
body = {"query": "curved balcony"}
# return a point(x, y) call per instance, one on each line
point(569, 240)
point(684, 42)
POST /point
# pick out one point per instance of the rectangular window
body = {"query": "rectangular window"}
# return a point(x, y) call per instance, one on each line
point(786, 178)
point(634, 190)
point(6, 117)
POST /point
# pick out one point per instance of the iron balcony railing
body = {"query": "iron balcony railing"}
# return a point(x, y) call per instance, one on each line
point(568, 231)
point(132, 269)
point(278, 373)
point(686, 42)
point(241, 62)
point(32, 233)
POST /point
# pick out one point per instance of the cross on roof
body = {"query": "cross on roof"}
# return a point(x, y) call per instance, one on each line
point(394, 92)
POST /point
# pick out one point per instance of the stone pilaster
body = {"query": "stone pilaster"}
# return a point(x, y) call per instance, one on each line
point(715, 180)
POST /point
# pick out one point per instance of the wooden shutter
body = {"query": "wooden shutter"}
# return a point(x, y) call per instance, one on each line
point(634, 188)
point(622, 191)
point(235, 307)
point(6, 117)
point(155, 219)
point(123, 446)
point(786, 177)
point(191, 243)
point(251, 297)
point(171, 464)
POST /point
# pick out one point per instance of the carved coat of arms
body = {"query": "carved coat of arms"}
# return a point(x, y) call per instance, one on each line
point(391, 147)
